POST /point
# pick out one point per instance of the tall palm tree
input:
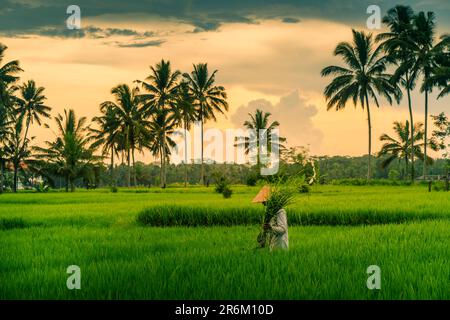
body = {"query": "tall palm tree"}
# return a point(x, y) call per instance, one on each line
point(209, 99)
point(400, 147)
point(397, 43)
point(161, 88)
point(159, 140)
point(129, 111)
point(428, 53)
point(363, 76)
point(31, 104)
point(16, 147)
point(107, 135)
point(259, 122)
point(71, 153)
point(6, 126)
point(440, 78)
point(8, 71)
point(8, 76)
point(184, 114)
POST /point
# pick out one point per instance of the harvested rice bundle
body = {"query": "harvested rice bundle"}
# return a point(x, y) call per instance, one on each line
point(275, 197)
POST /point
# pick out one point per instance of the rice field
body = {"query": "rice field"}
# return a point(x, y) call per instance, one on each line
point(206, 250)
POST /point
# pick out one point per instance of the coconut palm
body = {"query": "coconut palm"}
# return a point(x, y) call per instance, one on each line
point(184, 114)
point(31, 104)
point(159, 140)
point(428, 55)
point(363, 77)
point(16, 147)
point(161, 88)
point(6, 126)
point(107, 135)
point(400, 146)
point(258, 124)
point(209, 99)
point(8, 76)
point(71, 154)
point(440, 78)
point(8, 71)
point(397, 44)
point(129, 114)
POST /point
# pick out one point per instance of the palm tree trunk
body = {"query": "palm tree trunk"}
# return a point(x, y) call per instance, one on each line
point(134, 168)
point(425, 136)
point(406, 168)
point(113, 182)
point(2, 178)
point(202, 169)
point(185, 154)
point(412, 127)
point(161, 168)
point(129, 168)
point(163, 148)
point(369, 173)
point(15, 179)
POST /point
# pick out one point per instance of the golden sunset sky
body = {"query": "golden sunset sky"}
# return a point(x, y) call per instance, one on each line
point(269, 55)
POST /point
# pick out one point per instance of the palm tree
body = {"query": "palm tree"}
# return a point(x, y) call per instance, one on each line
point(130, 122)
point(8, 77)
point(8, 71)
point(184, 114)
point(6, 122)
point(400, 147)
point(16, 147)
point(107, 135)
point(259, 122)
point(209, 99)
point(428, 55)
point(440, 78)
point(31, 104)
point(159, 140)
point(364, 76)
point(71, 154)
point(397, 43)
point(161, 87)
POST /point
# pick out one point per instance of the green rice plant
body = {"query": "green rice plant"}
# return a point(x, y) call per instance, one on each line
point(194, 216)
point(12, 223)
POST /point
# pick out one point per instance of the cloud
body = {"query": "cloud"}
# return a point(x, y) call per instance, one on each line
point(294, 114)
point(31, 16)
point(290, 20)
point(152, 43)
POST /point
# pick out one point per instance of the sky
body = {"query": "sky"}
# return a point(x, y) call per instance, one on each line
point(268, 54)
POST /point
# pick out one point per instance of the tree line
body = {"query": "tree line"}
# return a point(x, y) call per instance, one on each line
point(140, 117)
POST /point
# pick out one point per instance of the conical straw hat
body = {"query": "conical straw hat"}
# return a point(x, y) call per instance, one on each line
point(262, 195)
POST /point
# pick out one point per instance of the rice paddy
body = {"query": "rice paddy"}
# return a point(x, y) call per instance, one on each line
point(194, 244)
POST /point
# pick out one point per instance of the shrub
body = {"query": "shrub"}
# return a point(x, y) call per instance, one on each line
point(220, 186)
point(227, 192)
point(114, 189)
point(42, 187)
point(252, 179)
point(304, 188)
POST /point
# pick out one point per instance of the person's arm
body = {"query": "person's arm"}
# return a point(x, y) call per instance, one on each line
point(281, 226)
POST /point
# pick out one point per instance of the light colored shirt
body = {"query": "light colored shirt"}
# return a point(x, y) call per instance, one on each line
point(279, 238)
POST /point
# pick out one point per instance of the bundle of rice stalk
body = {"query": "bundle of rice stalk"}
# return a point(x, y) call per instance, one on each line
point(280, 195)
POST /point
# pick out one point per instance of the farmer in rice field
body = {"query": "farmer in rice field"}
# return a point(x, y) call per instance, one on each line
point(275, 232)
